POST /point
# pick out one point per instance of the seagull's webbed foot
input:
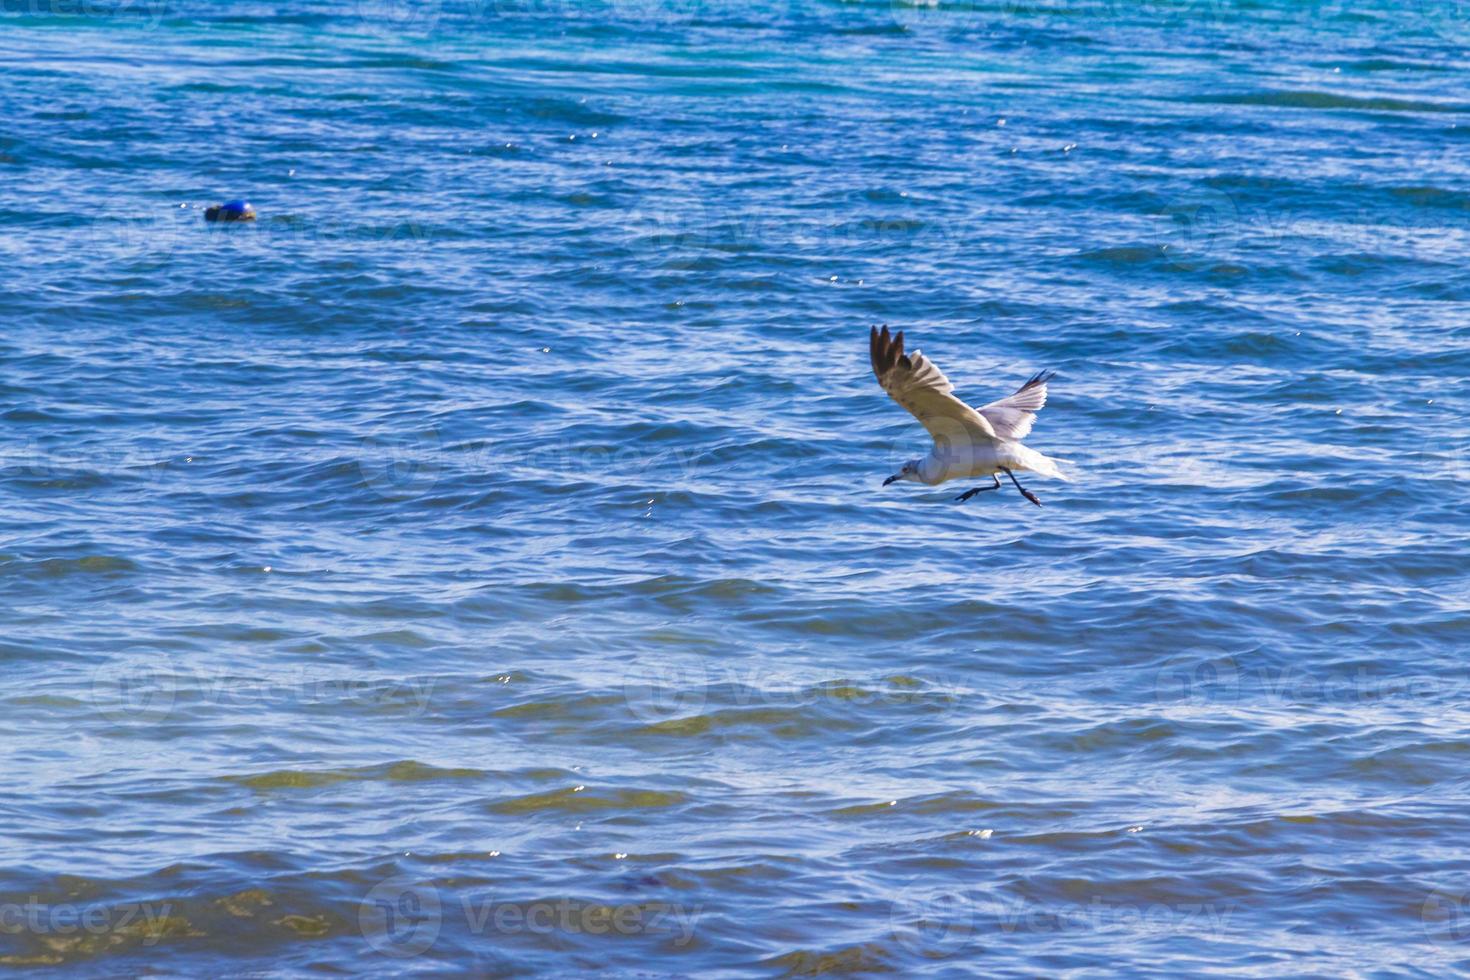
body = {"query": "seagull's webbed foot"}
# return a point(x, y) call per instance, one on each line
point(970, 493)
point(1024, 492)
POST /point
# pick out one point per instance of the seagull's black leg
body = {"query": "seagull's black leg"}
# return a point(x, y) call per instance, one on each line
point(1024, 492)
point(970, 493)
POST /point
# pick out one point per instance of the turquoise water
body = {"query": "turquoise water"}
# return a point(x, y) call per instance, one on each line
point(480, 565)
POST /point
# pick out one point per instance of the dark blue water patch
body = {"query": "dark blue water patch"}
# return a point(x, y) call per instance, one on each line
point(1329, 101)
point(1374, 65)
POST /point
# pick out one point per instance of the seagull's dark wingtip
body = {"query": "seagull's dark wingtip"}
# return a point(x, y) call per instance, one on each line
point(1039, 378)
point(884, 349)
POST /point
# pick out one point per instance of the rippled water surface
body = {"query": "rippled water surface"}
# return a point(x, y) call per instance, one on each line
point(480, 565)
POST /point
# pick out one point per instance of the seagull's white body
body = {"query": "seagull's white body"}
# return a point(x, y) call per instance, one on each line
point(968, 442)
point(983, 459)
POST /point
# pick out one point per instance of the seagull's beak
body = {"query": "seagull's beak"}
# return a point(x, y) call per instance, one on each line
point(892, 478)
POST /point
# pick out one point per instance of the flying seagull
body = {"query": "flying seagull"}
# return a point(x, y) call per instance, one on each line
point(968, 442)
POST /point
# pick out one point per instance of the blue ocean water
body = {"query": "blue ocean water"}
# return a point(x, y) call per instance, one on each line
point(479, 564)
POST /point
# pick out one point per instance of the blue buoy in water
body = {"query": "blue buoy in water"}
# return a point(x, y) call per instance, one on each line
point(230, 211)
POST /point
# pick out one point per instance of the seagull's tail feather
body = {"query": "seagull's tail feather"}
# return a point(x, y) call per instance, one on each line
point(1045, 465)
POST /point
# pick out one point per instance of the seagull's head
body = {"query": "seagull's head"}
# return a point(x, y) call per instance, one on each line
point(909, 472)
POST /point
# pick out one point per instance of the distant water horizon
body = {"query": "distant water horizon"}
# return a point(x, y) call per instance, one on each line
point(479, 563)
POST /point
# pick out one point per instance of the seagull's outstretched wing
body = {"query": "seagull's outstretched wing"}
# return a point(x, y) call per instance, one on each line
point(914, 382)
point(1013, 416)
